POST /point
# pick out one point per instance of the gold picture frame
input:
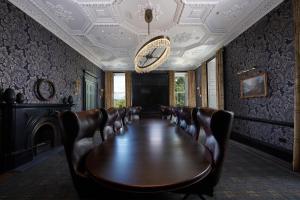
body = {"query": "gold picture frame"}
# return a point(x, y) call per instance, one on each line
point(254, 86)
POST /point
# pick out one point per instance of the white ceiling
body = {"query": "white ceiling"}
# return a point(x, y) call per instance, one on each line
point(108, 32)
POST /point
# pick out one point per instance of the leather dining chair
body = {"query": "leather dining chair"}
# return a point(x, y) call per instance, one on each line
point(165, 112)
point(217, 125)
point(135, 113)
point(122, 114)
point(174, 116)
point(188, 121)
point(79, 136)
point(111, 126)
point(120, 123)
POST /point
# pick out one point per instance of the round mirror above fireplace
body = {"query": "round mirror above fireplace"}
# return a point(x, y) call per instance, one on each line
point(44, 89)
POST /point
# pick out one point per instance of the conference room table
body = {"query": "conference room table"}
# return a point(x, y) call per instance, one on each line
point(151, 155)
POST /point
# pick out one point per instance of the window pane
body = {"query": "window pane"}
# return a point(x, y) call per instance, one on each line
point(119, 90)
point(181, 89)
point(212, 83)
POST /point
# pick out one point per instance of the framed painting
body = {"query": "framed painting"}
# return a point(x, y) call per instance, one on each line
point(254, 86)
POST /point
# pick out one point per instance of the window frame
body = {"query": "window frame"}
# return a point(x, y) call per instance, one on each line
point(185, 92)
point(215, 105)
point(113, 96)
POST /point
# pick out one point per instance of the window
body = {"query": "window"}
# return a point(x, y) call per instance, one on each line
point(90, 91)
point(119, 90)
point(181, 86)
point(212, 83)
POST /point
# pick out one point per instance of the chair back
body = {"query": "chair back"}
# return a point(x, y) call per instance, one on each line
point(120, 120)
point(110, 125)
point(78, 136)
point(165, 112)
point(135, 113)
point(217, 125)
point(122, 114)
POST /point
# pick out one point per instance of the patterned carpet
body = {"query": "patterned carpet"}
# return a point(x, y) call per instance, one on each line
point(248, 175)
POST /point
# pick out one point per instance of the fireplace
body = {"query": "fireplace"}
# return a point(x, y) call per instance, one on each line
point(44, 135)
point(26, 131)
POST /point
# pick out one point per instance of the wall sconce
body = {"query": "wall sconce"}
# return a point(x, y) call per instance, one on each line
point(77, 86)
point(198, 91)
point(101, 92)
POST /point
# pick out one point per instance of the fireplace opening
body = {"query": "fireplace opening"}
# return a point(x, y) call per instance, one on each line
point(44, 138)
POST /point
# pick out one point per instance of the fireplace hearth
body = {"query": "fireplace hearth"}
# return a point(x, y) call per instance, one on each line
point(26, 131)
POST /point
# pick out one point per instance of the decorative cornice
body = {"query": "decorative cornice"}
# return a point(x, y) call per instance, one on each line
point(264, 8)
point(71, 37)
point(98, 3)
point(35, 12)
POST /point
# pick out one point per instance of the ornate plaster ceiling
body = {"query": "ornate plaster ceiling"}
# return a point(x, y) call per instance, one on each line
point(109, 32)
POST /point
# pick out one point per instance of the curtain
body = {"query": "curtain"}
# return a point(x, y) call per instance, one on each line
point(204, 85)
point(171, 88)
point(296, 151)
point(220, 79)
point(191, 89)
point(128, 86)
point(109, 89)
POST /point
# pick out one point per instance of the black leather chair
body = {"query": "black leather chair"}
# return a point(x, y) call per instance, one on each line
point(217, 126)
point(80, 135)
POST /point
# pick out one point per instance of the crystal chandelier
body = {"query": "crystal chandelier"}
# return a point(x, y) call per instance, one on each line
point(154, 52)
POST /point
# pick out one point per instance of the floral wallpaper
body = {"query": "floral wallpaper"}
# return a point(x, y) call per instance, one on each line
point(28, 52)
point(268, 45)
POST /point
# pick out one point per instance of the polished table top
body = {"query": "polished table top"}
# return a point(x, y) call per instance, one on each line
point(150, 156)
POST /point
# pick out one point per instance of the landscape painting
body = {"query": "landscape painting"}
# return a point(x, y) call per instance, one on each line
point(255, 86)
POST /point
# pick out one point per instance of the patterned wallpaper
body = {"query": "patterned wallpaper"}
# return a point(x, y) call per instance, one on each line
point(28, 51)
point(269, 45)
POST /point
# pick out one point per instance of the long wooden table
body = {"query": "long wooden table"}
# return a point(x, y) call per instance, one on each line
point(151, 156)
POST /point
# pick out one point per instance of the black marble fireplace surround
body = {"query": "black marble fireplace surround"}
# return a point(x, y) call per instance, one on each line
point(26, 130)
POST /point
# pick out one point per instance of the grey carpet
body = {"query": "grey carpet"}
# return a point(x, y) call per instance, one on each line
point(248, 175)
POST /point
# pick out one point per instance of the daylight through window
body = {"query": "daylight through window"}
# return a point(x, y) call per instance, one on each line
point(119, 90)
point(181, 89)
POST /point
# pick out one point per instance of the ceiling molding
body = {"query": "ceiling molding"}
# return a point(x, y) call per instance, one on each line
point(93, 34)
point(41, 18)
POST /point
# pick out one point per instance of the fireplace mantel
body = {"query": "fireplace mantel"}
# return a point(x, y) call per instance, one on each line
point(18, 125)
point(36, 105)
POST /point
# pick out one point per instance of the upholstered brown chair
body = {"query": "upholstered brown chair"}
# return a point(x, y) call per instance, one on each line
point(165, 112)
point(122, 114)
point(216, 125)
point(187, 121)
point(120, 123)
point(80, 133)
point(111, 126)
point(134, 113)
point(174, 115)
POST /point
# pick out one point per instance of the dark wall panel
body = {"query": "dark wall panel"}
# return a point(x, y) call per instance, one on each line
point(269, 45)
point(150, 90)
point(28, 51)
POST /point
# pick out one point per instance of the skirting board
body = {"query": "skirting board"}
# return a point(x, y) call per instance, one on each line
point(263, 146)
